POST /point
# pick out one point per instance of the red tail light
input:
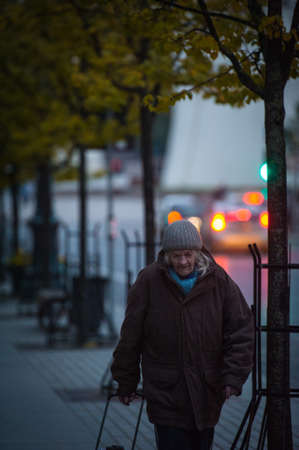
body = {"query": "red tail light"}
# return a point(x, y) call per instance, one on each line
point(264, 219)
point(243, 215)
point(218, 222)
point(239, 215)
point(253, 198)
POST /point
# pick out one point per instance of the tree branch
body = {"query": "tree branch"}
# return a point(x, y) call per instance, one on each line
point(215, 77)
point(180, 38)
point(256, 11)
point(274, 8)
point(130, 90)
point(243, 76)
point(257, 14)
point(211, 13)
point(290, 48)
point(295, 20)
point(256, 58)
point(204, 83)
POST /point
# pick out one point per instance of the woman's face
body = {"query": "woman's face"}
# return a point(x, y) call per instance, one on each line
point(182, 261)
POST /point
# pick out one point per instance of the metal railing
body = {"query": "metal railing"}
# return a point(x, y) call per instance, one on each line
point(138, 246)
point(258, 390)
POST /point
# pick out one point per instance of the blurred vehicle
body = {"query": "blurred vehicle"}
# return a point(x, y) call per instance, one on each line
point(181, 206)
point(236, 220)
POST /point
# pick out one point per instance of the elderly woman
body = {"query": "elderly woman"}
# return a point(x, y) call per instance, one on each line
point(191, 329)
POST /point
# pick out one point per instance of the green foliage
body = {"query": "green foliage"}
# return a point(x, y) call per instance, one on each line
point(54, 98)
point(65, 64)
point(67, 174)
point(233, 38)
point(99, 173)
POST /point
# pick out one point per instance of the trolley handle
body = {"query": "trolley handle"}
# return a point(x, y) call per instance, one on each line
point(110, 396)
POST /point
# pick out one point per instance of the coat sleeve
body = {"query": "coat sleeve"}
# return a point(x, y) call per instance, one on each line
point(238, 338)
point(125, 367)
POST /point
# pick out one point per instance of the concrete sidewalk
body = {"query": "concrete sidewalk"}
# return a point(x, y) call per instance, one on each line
point(49, 398)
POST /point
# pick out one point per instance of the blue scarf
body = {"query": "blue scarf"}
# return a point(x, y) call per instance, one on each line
point(186, 283)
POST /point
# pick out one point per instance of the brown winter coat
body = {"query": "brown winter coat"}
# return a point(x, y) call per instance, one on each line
point(190, 346)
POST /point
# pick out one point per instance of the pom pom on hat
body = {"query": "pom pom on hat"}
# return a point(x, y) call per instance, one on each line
point(181, 235)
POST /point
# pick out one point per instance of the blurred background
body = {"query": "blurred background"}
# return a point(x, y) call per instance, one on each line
point(199, 174)
point(97, 157)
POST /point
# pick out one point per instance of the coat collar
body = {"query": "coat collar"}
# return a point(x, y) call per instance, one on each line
point(203, 284)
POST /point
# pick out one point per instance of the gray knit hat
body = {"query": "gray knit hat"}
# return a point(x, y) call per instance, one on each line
point(181, 235)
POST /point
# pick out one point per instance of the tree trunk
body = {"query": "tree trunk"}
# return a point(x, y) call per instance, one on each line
point(3, 226)
point(82, 194)
point(82, 299)
point(15, 217)
point(44, 228)
point(278, 355)
point(146, 122)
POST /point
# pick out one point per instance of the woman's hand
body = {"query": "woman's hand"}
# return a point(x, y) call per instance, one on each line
point(229, 391)
point(127, 399)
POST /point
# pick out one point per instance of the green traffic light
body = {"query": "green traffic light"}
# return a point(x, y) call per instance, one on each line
point(264, 191)
point(264, 171)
